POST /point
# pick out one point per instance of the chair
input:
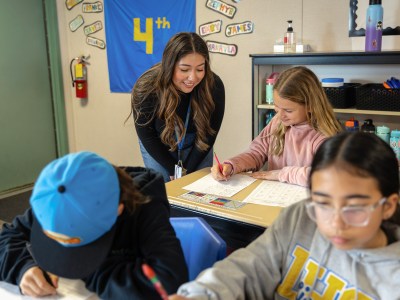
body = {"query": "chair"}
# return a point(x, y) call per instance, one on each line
point(201, 245)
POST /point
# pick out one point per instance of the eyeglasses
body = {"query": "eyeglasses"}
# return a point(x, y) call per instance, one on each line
point(357, 216)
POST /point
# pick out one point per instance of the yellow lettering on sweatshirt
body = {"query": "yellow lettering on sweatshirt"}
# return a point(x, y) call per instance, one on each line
point(301, 282)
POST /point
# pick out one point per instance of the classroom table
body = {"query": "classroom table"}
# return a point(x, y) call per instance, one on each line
point(237, 227)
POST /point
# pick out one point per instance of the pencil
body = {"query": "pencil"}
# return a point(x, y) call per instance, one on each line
point(151, 275)
point(219, 164)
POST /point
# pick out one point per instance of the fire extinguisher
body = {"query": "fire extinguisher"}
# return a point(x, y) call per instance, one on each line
point(79, 76)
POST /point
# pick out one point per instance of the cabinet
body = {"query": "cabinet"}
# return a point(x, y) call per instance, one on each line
point(360, 67)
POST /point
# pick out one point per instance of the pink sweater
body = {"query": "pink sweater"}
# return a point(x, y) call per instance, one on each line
point(301, 143)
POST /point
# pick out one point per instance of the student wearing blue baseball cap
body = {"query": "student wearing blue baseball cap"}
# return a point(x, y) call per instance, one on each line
point(96, 222)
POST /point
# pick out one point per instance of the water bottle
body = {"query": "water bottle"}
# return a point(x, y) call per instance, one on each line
point(374, 26)
point(368, 126)
point(351, 125)
point(383, 132)
point(269, 115)
point(269, 91)
point(395, 143)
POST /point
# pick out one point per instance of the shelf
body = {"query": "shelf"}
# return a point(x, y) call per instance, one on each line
point(347, 111)
point(327, 58)
point(354, 66)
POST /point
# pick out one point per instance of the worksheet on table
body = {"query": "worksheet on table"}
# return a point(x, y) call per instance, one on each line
point(276, 193)
point(67, 289)
point(209, 185)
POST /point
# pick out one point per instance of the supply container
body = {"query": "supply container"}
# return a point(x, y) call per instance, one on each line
point(332, 82)
point(374, 96)
point(368, 126)
point(383, 132)
point(352, 125)
point(340, 94)
point(374, 26)
point(395, 142)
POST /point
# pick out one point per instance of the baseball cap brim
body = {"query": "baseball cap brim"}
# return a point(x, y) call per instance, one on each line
point(69, 262)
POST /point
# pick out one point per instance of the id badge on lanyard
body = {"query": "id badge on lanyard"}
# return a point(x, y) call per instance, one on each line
point(179, 169)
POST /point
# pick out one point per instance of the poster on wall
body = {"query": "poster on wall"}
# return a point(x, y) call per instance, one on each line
point(137, 32)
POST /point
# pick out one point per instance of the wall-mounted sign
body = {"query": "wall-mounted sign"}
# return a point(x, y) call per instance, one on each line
point(95, 42)
point(222, 48)
point(239, 28)
point(221, 7)
point(72, 3)
point(210, 28)
point(93, 7)
point(76, 23)
point(92, 28)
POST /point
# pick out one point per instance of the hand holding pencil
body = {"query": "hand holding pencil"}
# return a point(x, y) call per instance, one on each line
point(221, 171)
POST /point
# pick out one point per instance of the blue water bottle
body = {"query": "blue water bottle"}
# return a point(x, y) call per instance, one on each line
point(374, 26)
point(383, 132)
point(395, 142)
point(269, 115)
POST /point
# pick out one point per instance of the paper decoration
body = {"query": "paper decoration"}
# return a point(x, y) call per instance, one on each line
point(94, 7)
point(72, 3)
point(210, 28)
point(92, 28)
point(222, 8)
point(95, 42)
point(239, 28)
point(76, 23)
point(222, 48)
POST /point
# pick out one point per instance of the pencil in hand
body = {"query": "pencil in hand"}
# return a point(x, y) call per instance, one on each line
point(151, 275)
point(219, 164)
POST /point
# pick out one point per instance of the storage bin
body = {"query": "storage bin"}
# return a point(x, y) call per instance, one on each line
point(373, 96)
point(342, 97)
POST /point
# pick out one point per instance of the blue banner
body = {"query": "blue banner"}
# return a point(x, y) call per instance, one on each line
point(137, 32)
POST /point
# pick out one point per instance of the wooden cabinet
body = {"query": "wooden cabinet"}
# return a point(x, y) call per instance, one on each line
point(357, 67)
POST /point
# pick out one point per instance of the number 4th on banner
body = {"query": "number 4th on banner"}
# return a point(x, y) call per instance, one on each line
point(146, 36)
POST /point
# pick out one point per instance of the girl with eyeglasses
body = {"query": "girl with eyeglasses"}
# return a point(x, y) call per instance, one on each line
point(341, 243)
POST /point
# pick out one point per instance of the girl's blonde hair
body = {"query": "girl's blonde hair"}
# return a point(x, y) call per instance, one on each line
point(157, 82)
point(301, 85)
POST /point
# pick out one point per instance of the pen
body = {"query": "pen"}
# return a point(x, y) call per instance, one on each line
point(219, 164)
point(151, 275)
point(47, 277)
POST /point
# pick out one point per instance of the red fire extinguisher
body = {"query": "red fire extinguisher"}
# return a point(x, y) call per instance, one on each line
point(79, 76)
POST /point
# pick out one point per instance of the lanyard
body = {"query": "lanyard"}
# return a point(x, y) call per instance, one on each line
point(181, 143)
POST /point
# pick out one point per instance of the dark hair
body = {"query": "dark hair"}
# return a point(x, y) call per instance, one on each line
point(158, 82)
point(130, 195)
point(364, 155)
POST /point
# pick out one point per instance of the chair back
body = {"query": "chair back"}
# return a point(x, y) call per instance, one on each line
point(201, 245)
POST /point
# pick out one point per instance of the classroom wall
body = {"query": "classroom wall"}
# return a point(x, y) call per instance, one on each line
point(98, 124)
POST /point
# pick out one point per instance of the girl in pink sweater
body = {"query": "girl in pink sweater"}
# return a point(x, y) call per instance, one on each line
point(304, 119)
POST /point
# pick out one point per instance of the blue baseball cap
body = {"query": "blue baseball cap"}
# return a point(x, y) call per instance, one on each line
point(75, 206)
